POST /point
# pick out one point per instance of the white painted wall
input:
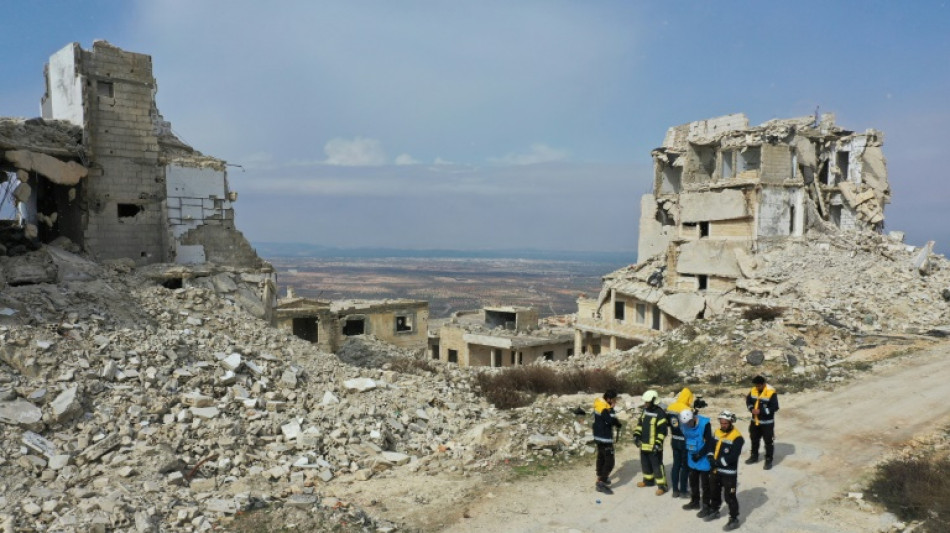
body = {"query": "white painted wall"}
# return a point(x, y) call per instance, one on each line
point(65, 87)
point(777, 205)
point(191, 194)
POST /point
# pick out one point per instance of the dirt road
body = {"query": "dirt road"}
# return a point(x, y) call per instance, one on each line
point(826, 443)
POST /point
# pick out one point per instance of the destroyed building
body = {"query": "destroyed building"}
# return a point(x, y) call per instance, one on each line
point(723, 191)
point(103, 169)
point(402, 323)
point(499, 337)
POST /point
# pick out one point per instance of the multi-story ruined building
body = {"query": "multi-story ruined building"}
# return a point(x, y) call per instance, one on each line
point(499, 337)
point(722, 191)
point(103, 168)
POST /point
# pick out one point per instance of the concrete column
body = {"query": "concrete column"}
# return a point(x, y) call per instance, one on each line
point(578, 342)
point(613, 342)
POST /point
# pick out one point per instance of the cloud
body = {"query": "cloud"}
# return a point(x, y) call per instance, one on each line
point(539, 153)
point(358, 152)
point(406, 159)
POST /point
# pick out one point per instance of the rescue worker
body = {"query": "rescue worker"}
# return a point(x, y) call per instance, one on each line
point(699, 446)
point(725, 470)
point(649, 435)
point(762, 402)
point(605, 420)
point(680, 471)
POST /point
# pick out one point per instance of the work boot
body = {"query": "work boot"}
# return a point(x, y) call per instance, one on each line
point(733, 523)
point(606, 482)
point(713, 515)
point(601, 487)
point(642, 484)
point(752, 459)
point(661, 490)
point(704, 512)
point(768, 463)
point(691, 505)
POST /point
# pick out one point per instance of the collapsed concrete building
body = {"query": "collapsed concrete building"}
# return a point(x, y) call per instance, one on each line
point(502, 336)
point(103, 169)
point(400, 322)
point(722, 191)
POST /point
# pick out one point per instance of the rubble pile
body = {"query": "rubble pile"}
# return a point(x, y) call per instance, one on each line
point(866, 281)
point(129, 406)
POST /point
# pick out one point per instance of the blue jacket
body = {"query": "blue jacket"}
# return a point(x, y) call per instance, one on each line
point(699, 441)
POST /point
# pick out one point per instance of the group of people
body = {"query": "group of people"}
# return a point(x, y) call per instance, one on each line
point(705, 460)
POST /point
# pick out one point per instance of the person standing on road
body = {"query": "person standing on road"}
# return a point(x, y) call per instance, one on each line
point(649, 435)
point(725, 470)
point(762, 402)
point(680, 471)
point(605, 420)
point(699, 447)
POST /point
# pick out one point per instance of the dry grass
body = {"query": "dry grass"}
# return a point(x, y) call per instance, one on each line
point(519, 386)
point(762, 312)
point(915, 488)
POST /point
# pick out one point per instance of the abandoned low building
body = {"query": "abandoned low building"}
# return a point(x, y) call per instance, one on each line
point(723, 191)
point(103, 169)
point(499, 337)
point(402, 323)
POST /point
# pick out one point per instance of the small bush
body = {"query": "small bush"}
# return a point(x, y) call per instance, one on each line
point(410, 365)
point(762, 312)
point(517, 387)
point(915, 488)
point(658, 371)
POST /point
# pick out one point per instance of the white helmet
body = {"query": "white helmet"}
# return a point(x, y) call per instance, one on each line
point(685, 416)
point(650, 396)
point(727, 415)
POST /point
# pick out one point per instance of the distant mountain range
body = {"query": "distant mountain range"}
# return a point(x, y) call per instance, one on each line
point(294, 249)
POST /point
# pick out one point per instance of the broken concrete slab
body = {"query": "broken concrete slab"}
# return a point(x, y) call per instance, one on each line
point(359, 384)
point(67, 405)
point(20, 412)
point(57, 171)
point(684, 307)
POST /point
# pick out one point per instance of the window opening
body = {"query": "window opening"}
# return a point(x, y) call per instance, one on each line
point(453, 356)
point(173, 283)
point(656, 317)
point(435, 351)
point(548, 356)
point(305, 328)
point(727, 170)
point(128, 210)
point(703, 281)
point(353, 326)
point(105, 88)
point(619, 308)
point(704, 229)
point(403, 323)
point(842, 167)
point(641, 313)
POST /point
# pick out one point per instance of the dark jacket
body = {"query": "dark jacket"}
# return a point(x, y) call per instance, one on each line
point(651, 427)
point(604, 421)
point(767, 402)
point(727, 451)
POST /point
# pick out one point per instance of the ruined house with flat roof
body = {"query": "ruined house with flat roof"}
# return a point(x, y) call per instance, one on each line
point(400, 322)
point(722, 191)
point(501, 336)
point(103, 169)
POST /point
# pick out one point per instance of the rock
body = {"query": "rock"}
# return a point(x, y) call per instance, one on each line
point(329, 399)
point(102, 447)
point(221, 506)
point(20, 412)
point(755, 357)
point(232, 362)
point(39, 444)
point(291, 430)
point(538, 441)
point(396, 458)
point(205, 412)
point(304, 501)
point(67, 405)
point(363, 475)
point(359, 384)
point(58, 462)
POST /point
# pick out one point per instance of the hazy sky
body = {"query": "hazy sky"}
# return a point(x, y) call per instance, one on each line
point(488, 124)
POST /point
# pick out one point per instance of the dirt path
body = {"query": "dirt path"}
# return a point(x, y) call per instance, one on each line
point(826, 442)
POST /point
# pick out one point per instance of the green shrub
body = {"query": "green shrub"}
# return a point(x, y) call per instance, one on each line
point(658, 371)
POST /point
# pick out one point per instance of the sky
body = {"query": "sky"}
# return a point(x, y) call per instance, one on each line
point(488, 125)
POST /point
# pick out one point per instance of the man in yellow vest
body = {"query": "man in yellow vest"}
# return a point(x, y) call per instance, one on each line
point(649, 435)
point(762, 402)
point(725, 470)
